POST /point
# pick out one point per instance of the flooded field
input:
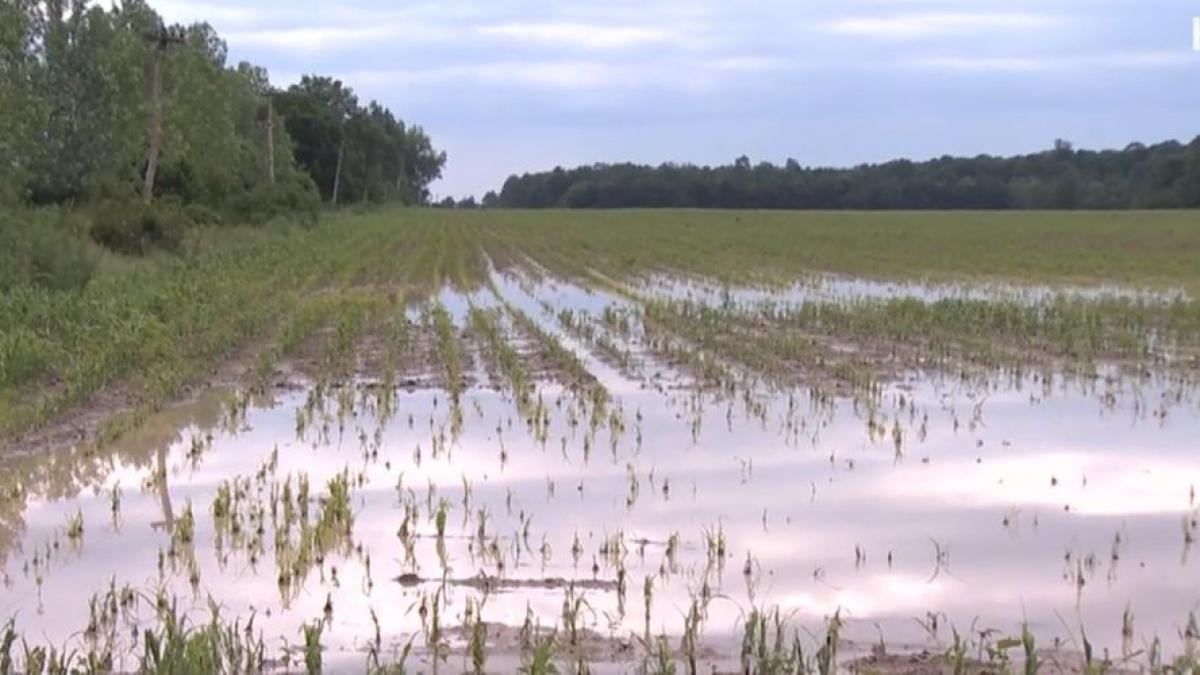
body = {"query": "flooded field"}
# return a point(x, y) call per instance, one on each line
point(512, 458)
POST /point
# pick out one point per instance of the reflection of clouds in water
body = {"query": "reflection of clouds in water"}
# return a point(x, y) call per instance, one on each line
point(1115, 485)
point(873, 595)
point(28, 479)
point(802, 507)
point(561, 294)
point(836, 288)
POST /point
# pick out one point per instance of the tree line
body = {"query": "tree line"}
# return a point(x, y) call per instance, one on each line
point(1165, 175)
point(111, 106)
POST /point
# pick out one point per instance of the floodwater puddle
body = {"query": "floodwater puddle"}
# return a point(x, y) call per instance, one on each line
point(838, 288)
point(1057, 502)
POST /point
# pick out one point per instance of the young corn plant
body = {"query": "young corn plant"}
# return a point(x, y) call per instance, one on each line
point(477, 636)
point(312, 646)
point(539, 659)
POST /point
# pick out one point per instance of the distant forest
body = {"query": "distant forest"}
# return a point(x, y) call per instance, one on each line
point(1165, 175)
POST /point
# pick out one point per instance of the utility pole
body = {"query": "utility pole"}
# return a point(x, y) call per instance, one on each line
point(337, 172)
point(270, 139)
point(162, 40)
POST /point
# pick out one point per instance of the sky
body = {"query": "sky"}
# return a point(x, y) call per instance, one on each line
point(509, 86)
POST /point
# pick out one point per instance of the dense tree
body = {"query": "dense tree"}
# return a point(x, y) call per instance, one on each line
point(76, 121)
point(315, 112)
point(1166, 175)
point(20, 105)
point(356, 153)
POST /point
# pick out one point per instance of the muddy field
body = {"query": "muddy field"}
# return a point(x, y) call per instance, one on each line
point(506, 457)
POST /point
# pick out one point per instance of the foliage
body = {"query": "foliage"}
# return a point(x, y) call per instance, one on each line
point(76, 111)
point(136, 228)
point(1166, 175)
point(44, 248)
point(379, 158)
point(1139, 248)
point(174, 645)
point(154, 323)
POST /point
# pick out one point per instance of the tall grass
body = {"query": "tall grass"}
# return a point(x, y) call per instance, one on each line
point(144, 328)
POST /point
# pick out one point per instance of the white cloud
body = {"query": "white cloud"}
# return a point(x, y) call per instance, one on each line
point(1146, 59)
point(314, 39)
point(555, 74)
point(317, 34)
point(911, 26)
point(976, 63)
point(1050, 63)
point(570, 34)
point(576, 75)
point(310, 39)
point(541, 74)
point(746, 64)
point(177, 11)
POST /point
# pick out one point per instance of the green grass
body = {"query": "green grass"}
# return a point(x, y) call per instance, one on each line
point(1154, 248)
point(141, 329)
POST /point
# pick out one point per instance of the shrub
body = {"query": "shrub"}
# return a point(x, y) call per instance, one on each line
point(293, 197)
point(44, 248)
point(136, 229)
point(202, 215)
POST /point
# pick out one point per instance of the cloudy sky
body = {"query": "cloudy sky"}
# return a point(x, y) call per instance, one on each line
point(519, 85)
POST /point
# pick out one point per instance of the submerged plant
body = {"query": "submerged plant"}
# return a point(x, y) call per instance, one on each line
point(539, 659)
point(311, 633)
point(74, 527)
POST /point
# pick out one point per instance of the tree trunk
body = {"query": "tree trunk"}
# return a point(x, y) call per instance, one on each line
point(337, 172)
point(156, 122)
point(270, 141)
